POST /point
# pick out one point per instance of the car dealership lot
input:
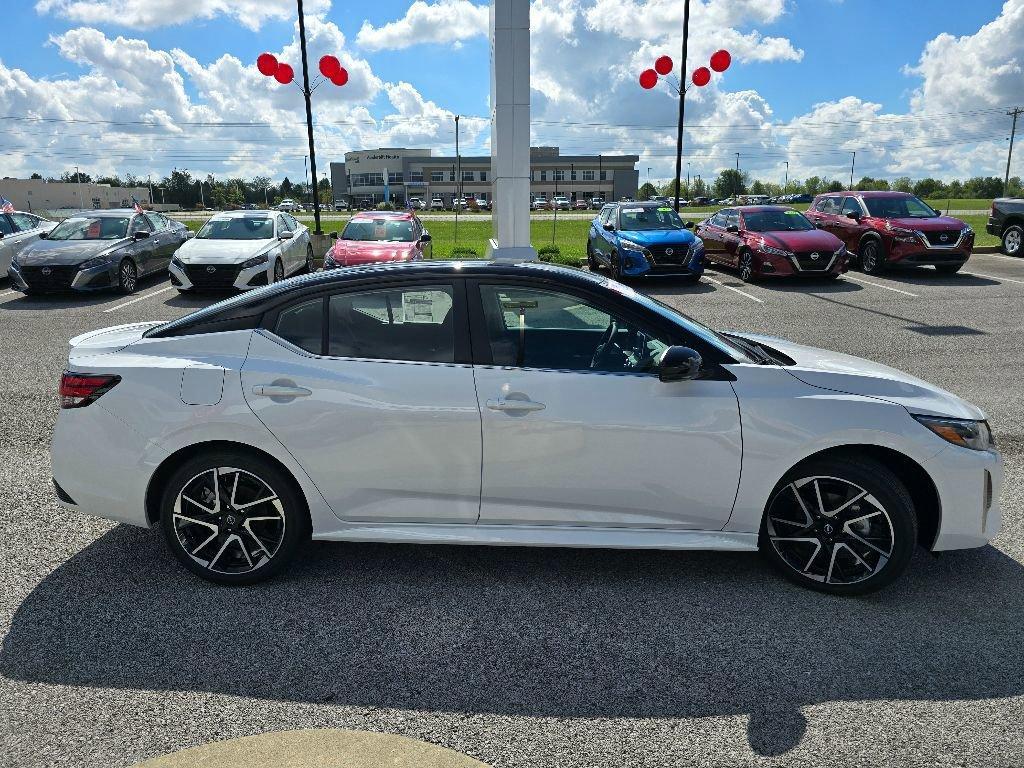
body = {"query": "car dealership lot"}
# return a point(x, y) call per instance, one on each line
point(527, 657)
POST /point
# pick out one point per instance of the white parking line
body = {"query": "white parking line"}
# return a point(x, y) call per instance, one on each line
point(848, 276)
point(6, 293)
point(737, 290)
point(974, 274)
point(146, 296)
point(1000, 256)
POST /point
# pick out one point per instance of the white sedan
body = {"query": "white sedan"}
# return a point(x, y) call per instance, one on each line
point(515, 404)
point(17, 230)
point(241, 250)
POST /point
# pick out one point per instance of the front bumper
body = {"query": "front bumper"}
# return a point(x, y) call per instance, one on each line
point(62, 278)
point(223, 277)
point(790, 266)
point(637, 264)
point(919, 252)
point(968, 483)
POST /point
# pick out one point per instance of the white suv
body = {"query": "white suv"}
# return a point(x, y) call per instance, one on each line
point(289, 206)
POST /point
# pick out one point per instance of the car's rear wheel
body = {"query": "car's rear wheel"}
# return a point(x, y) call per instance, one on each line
point(747, 272)
point(233, 518)
point(127, 276)
point(872, 256)
point(840, 526)
point(1013, 240)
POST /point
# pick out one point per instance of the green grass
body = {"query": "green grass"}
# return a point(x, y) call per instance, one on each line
point(981, 237)
point(966, 204)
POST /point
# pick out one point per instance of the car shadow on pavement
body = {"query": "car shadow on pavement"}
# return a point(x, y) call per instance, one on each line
point(928, 276)
point(526, 632)
point(809, 285)
point(74, 300)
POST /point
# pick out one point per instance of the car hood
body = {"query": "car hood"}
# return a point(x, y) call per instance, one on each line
point(935, 224)
point(659, 236)
point(58, 252)
point(348, 252)
point(799, 242)
point(857, 376)
point(203, 251)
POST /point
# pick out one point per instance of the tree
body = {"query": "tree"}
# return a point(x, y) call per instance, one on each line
point(646, 192)
point(813, 185)
point(868, 184)
point(70, 177)
point(834, 186)
point(928, 188)
point(758, 188)
point(286, 188)
point(700, 189)
point(731, 182)
point(113, 181)
point(903, 184)
point(35, 176)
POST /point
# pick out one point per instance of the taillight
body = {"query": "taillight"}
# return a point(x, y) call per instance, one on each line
point(78, 390)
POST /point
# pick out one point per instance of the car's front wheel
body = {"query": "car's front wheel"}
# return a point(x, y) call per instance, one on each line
point(127, 277)
point(872, 256)
point(592, 259)
point(1013, 240)
point(747, 272)
point(841, 526)
point(278, 271)
point(233, 518)
point(310, 260)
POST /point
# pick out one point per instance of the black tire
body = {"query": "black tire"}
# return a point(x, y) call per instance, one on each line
point(591, 259)
point(225, 543)
point(310, 260)
point(746, 266)
point(1013, 240)
point(872, 256)
point(278, 271)
point(861, 546)
point(948, 269)
point(127, 277)
point(615, 267)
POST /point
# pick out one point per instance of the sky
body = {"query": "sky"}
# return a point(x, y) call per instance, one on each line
point(914, 88)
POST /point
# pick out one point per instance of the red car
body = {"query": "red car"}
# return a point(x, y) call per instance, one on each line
point(378, 236)
point(888, 229)
point(771, 240)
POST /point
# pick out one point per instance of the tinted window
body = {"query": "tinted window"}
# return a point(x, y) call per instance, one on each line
point(535, 328)
point(899, 208)
point(141, 224)
point(24, 221)
point(159, 222)
point(302, 325)
point(283, 225)
point(850, 205)
point(831, 205)
point(414, 323)
point(775, 221)
point(5, 226)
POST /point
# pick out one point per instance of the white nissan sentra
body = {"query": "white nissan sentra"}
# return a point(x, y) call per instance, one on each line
point(515, 404)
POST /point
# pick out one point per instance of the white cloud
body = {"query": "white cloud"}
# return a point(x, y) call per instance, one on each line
point(147, 14)
point(444, 21)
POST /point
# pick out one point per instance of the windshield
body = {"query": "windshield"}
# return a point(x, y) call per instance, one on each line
point(237, 228)
point(898, 208)
point(776, 221)
point(400, 231)
point(91, 228)
point(643, 219)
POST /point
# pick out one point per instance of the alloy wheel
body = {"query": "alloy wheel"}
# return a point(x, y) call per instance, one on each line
point(1012, 242)
point(830, 530)
point(310, 259)
point(869, 257)
point(278, 271)
point(746, 267)
point(128, 277)
point(229, 521)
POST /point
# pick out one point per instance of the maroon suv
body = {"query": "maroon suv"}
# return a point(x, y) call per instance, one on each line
point(887, 229)
point(761, 240)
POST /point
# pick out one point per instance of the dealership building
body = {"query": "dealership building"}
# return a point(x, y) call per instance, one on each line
point(373, 175)
point(41, 195)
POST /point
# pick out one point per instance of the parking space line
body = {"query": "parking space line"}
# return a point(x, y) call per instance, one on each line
point(879, 285)
point(140, 298)
point(1000, 256)
point(6, 293)
point(736, 290)
point(987, 277)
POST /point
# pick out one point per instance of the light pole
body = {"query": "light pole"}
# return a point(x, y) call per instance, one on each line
point(78, 181)
point(688, 195)
point(736, 192)
point(785, 184)
point(853, 161)
point(202, 200)
point(458, 178)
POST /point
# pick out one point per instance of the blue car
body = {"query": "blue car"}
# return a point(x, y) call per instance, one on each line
point(644, 239)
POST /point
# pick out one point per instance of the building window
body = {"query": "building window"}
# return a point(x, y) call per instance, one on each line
point(451, 177)
point(437, 176)
point(467, 176)
point(415, 177)
point(572, 174)
point(559, 175)
point(604, 175)
point(588, 175)
point(543, 175)
point(483, 175)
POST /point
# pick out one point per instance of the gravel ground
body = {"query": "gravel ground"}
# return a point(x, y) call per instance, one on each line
point(112, 654)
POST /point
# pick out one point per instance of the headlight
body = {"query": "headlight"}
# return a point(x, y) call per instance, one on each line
point(99, 261)
point(966, 231)
point(840, 252)
point(903, 234)
point(628, 245)
point(698, 246)
point(773, 251)
point(255, 261)
point(975, 435)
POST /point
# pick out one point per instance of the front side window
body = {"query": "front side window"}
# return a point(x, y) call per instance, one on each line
point(6, 228)
point(237, 228)
point(607, 214)
point(141, 224)
point(408, 324)
point(158, 222)
point(283, 225)
point(898, 208)
point(850, 205)
point(536, 328)
point(831, 206)
point(732, 219)
point(91, 228)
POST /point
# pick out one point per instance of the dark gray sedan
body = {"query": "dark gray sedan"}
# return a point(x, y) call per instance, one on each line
point(96, 250)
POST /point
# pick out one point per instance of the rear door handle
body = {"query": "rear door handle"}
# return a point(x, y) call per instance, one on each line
point(514, 405)
point(278, 390)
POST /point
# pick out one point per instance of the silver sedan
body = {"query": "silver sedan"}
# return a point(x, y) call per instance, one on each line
point(17, 230)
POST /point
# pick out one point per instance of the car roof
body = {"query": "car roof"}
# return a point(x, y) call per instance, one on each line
point(383, 214)
point(106, 213)
point(873, 193)
point(753, 208)
point(640, 204)
point(243, 214)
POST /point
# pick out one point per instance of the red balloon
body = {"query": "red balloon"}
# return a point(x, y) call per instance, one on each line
point(720, 61)
point(701, 76)
point(329, 66)
point(648, 79)
point(663, 65)
point(285, 74)
point(266, 63)
point(340, 77)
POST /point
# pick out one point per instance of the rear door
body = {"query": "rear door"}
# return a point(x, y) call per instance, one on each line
point(846, 229)
point(712, 232)
point(731, 241)
point(7, 243)
point(828, 212)
point(372, 391)
point(146, 250)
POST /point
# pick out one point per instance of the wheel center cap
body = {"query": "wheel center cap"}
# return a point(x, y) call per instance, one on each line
point(230, 521)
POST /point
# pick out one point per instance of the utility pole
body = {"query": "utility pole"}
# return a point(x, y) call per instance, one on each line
point(149, 182)
point(78, 180)
point(458, 178)
point(309, 114)
point(736, 191)
point(1009, 155)
point(554, 204)
point(785, 184)
point(688, 179)
point(682, 101)
point(202, 200)
point(853, 161)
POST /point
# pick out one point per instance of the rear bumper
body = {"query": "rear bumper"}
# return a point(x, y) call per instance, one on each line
point(994, 227)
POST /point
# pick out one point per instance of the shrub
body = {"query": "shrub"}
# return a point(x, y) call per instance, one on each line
point(464, 250)
point(385, 206)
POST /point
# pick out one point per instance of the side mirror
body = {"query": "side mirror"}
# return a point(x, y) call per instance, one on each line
point(853, 215)
point(609, 227)
point(679, 364)
point(334, 235)
point(688, 225)
point(140, 235)
point(733, 228)
point(425, 237)
point(286, 236)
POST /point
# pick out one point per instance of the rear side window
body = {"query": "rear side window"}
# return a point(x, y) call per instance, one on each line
point(302, 325)
point(408, 324)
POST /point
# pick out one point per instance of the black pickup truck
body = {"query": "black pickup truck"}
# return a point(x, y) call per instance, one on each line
point(1006, 221)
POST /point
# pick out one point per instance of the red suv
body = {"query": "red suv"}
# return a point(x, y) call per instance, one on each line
point(761, 240)
point(886, 229)
point(378, 236)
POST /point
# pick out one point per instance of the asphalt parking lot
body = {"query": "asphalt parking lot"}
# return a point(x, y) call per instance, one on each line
point(111, 653)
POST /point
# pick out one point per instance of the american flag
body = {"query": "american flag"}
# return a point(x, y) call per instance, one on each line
point(6, 206)
point(136, 204)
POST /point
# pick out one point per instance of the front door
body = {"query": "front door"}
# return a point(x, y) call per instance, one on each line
point(380, 407)
point(578, 429)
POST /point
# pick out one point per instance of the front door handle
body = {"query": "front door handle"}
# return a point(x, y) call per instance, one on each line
point(514, 405)
point(279, 390)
